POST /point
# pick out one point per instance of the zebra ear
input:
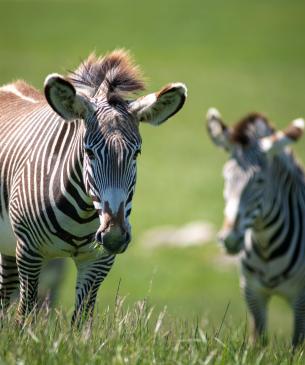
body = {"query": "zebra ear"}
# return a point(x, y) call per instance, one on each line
point(280, 139)
point(64, 99)
point(218, 131)
point(156, 108)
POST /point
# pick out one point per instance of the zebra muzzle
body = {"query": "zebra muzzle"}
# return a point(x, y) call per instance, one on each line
point(231, 240)
point(114, 241)
point(113, 234)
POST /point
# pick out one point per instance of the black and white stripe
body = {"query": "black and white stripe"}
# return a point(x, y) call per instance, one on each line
point(265, 215)
point(68, 173)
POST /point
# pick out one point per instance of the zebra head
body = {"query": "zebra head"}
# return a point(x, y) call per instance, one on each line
point(97, 95)
point(252, 145)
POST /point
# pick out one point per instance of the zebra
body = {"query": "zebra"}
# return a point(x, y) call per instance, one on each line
point(68, 173)
point(264, 222)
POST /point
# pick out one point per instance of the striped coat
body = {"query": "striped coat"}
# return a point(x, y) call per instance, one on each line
point(264, 213)
point(68, 173)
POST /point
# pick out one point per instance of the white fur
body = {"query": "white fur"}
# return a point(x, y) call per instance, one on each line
point(143, 103)
point(213, 113)
point(266, 144)
point(231, 210)
point(215, 128)
point(181, 86)
point(65, 100)
point(156, 108)
point(51, 78)
point(12, 89)
point(299, 123)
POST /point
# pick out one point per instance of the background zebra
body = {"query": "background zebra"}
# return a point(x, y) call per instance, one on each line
point(264, 213)
point(68, 172)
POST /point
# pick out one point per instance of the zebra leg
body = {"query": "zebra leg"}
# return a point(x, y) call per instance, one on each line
point(257, 305)
point(9, 280)
point(29, 266)
point(89, 277)
point(299, 320)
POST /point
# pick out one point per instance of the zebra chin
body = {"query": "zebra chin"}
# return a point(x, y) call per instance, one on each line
point(114, 242)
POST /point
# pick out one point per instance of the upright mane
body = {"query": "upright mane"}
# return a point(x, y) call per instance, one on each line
point(255, 126)
point(252, 126)
point(114, 74)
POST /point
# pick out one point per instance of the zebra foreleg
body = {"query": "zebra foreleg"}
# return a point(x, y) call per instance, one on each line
point(299, 320)
point(8, 281)
point(257, 305)
point(89, 277)
point(29, 266)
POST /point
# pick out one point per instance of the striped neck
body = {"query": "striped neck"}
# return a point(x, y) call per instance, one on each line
point(283, 208)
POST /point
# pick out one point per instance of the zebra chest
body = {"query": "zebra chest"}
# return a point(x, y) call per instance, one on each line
point(274, 275)
point(71, 239)
point(58, 248)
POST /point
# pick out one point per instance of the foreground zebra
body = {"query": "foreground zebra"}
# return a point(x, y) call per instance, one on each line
point(264, 213)
point(68, 173)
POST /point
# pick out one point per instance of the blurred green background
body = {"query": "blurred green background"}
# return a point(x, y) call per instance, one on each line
point(238, 56)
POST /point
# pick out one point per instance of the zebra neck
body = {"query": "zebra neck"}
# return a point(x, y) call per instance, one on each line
point(71, 169)
point(283, 210)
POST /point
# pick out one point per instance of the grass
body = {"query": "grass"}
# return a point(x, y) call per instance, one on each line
point(137, 334)
point(237, 56)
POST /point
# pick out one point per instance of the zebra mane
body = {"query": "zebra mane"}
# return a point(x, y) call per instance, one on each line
point(115, 73)
point(252, 126)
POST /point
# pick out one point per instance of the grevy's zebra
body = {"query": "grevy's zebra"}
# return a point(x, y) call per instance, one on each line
point(68, 172)
point(264, 213)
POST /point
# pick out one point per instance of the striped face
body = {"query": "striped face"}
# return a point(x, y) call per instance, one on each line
point(253, 145)
point(111, 144)
point(244, 176)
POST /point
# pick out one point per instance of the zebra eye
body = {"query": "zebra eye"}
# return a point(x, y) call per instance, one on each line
point(136, 154)
point(89, 153)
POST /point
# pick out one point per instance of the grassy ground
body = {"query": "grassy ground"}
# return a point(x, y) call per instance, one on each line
point(237, 56)
point(138, 334)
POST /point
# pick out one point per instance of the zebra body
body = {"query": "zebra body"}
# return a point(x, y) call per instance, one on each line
point(68, 173)
point(264, 214)
point(32, 208)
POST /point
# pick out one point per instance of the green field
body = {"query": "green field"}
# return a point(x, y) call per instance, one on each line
point(238, 56)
